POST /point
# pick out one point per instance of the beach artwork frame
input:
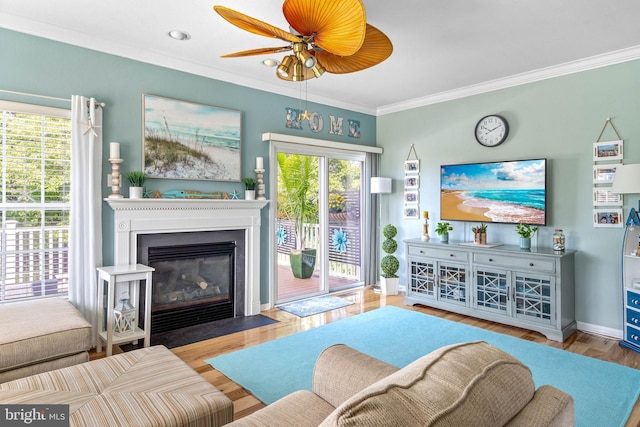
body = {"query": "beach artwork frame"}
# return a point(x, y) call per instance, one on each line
point(187, 140)
point(412, 182)
point(603, 196)
point(608, 150)
point(604, 173)
point(411, 197)
point(607, 218)
point(411, 212)
point(411, 167)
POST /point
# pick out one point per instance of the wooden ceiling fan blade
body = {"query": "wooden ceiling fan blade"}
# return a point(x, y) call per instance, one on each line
point(254, 25)
point(259, 51)
point(339, 26)
point(376, 48)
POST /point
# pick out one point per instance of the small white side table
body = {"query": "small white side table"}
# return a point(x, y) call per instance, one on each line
point(110, 277)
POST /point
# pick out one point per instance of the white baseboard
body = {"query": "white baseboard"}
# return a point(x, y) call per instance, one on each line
point(599, 330)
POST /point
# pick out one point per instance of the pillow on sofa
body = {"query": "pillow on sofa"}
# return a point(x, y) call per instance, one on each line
point(461, 384)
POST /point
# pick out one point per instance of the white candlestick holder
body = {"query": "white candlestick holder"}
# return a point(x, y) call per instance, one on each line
point(115, 178)
point(425, 230)
point(260, 186)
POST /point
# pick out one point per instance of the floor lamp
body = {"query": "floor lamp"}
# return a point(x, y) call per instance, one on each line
point(379, 186)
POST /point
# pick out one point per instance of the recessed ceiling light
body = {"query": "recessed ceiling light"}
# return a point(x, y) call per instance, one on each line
point(179, 35)
point(271, 62)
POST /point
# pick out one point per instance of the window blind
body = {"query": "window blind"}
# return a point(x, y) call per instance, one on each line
point(35, 167)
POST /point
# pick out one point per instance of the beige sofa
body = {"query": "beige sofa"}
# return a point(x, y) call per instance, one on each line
point(41, 335)
point(468, 384)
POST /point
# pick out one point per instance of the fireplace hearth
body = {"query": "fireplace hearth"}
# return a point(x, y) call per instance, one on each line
point(195, 282)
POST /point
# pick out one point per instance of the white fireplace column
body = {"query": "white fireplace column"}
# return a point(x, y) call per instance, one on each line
point(151, 216)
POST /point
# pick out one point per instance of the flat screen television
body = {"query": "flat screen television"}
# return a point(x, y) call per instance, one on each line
point(508, 192)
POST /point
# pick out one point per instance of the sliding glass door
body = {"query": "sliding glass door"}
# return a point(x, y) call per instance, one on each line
point(319, 221)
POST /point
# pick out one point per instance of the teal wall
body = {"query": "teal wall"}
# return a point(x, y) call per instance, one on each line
point(558, 119)
point(44, 67)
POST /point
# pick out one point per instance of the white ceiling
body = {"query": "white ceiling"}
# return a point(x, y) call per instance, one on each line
point(442, 49)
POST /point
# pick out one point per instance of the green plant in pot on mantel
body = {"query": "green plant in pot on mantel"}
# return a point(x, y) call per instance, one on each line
point(250, 188)
point(442, 230)
point(136, 182)
point(389, 264)
point(526, 232)
point(298, 203)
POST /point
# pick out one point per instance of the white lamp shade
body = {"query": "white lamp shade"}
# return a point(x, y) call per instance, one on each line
point(627, 179)
point(380, 185)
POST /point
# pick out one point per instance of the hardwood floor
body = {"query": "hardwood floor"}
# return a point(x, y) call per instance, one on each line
point(599, 347)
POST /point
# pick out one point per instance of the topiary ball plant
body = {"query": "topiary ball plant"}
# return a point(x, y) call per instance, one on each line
point(389, 263)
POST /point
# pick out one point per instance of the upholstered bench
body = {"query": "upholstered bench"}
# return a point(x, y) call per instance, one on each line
point(146, 387)
point(41, 335)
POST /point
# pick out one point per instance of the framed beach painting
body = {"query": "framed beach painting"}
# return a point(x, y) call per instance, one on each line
point(186, 140)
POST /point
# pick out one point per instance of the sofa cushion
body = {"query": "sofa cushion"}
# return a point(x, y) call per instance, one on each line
point(41, 330)
point(461, 384)
point(301, 408)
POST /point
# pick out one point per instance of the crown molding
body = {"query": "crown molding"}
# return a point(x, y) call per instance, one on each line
point(593, 62)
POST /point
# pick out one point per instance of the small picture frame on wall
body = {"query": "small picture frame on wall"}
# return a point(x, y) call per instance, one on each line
point(411, 212)
point(607, 218)
point(607, 150)
point(411, 197)
point(603, 196)
point(411, 182)
point(603, 174)
point(411, 167)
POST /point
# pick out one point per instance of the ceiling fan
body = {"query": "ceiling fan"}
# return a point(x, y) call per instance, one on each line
point(326, 35)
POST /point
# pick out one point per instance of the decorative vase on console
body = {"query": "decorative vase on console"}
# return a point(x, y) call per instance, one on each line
point(443, 229)
point(526, 232)
point(480, 234)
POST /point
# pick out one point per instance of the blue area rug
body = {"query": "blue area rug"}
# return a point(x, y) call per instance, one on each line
point(604, 392)
point(313, 306)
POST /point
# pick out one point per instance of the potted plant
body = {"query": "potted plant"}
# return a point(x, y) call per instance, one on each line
point(136, 181)
point(526, 232)
point(298, 203)
point(389, 263)
point(442, 230)
point(250, 188)
point(480, 234)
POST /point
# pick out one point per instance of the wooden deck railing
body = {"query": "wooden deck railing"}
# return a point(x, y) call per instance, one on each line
point(34, 261)
point(341, 264)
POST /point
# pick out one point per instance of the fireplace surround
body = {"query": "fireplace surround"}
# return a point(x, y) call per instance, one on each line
point(136, 217)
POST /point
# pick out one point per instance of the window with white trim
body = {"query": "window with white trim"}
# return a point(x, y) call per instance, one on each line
point(35, 168)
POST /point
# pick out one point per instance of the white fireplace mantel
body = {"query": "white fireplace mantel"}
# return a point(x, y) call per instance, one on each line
point(150, 216)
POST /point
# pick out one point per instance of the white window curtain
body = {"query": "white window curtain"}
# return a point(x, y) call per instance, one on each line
point(85, 235)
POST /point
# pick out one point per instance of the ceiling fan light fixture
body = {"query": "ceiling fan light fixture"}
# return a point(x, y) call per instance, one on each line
point(285, 67)
point(307, 59)
point(298, 71)
point(318, 69)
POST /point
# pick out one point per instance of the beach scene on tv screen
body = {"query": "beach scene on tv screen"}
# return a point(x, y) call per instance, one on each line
point(507, 192)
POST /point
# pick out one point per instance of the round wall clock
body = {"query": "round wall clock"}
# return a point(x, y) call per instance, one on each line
point(492, 130)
